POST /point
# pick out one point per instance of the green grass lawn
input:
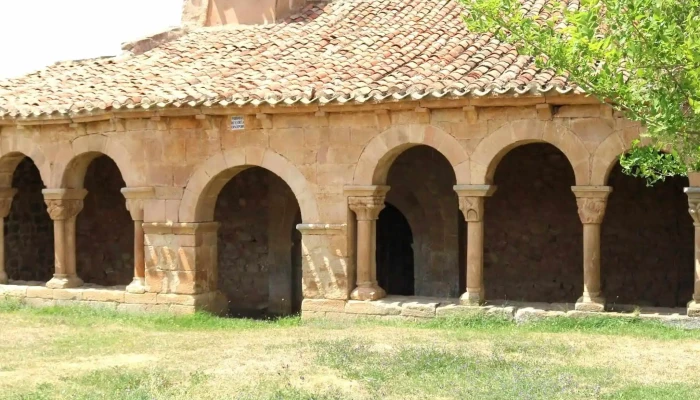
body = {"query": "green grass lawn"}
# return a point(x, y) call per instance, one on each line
point(82, 353)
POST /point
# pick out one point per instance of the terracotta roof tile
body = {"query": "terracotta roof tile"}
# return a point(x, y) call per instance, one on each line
point(347, 50)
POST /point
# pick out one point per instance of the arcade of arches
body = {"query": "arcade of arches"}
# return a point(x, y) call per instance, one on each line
point(496, 206)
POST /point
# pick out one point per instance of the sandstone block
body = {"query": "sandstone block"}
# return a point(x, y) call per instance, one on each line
point(104, 305)
point(419, 309)
point(323, 305)
point(68, 294)
point(13, 291)
point(182, 310)
point(694, 309)
point(145, 298)
point(38, 302)
point(103, 295)
point(309, 315)
point(40, 292)
point(379, 307)
point(176, 299)
point(529, 314)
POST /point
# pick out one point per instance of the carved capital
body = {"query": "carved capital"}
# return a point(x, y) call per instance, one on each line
point(6, 196)
point(135, 199)
point(366, 208)
point(591, 201)
point(63, 209)
point(472, 208)
point(471, 200)
point(591, 210)
point(694, 203)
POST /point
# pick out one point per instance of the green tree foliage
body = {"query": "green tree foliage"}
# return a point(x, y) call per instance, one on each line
point(641, 56)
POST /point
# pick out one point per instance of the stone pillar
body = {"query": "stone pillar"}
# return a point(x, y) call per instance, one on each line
point(694, 209)
point(366, 202)
point(471, 203)
point(6, 196)
point(591, 201)
point(135, 198)
point(63, 207)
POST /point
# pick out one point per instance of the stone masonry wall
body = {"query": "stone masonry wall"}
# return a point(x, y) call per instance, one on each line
point(104, 229)
point(321, 149)
point(533, 235)
point(245, 262)
point(647, 243)
point(28, 228)
point(421, 182)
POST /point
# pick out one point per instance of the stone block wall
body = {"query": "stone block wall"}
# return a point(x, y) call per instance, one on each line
point(317, 151)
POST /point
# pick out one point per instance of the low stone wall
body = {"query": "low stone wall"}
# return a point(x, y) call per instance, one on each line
point(422, 308)
point(116, 298)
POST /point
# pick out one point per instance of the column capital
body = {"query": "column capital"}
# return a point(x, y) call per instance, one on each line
point(693, 194)
point(6, 196)
point(63, 204)
point(591, 201)
point(135, 197)
point(366, 201)
point(471, 200)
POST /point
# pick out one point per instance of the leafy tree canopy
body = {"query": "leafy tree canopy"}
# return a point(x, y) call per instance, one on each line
point(641, 56)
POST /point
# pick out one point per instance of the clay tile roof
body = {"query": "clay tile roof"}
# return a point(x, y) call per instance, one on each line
point(344, 51)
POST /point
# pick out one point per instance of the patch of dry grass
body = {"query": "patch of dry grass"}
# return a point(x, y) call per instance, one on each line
point(79, 354)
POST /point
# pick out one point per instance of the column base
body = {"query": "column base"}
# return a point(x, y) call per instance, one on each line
point(64, 282)
point(694, 309)
point(137, 286)
point(371, 292)
point(472, 298)
point(3, 278)
point(590, 304)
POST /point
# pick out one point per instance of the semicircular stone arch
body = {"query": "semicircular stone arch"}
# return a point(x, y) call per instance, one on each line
point(72, 161)
point(496, 145)
point(203, 187)
point(13, 151)
point(379, 154)
point(605, 158)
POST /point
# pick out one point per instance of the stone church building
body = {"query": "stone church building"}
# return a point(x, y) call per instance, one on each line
point(334, 158)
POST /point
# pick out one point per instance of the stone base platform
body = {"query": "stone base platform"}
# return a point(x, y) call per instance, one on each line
point(401, 307)
point(116, 298)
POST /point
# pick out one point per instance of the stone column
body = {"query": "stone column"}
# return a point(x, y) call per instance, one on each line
point(471, 203)
point(135, 198)
point(694, 209)
point(591, 201)
point(63, 207)
point(367, 202)
point(6, 196)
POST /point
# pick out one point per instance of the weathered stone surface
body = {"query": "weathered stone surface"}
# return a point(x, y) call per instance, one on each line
point(379, 307)
point(145, 298)
point(178, 299)
point(181, 309)
point(41, 292)
point(468, 311)
point(418, 309)
point(39, 302)
point(323, 305)
point(13, 291)
point(529, 314)
point(143, 308)
point(68, 294)
point(103, 295)
point(309, 315)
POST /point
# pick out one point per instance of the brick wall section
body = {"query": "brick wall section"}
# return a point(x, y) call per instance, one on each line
point(533, 235)
point(104, 230)
point(28, 228)
point(246, 257)
point(422, 181)
point(647, 243)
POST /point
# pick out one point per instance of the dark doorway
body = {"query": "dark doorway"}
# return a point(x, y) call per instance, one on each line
point(395, 269)
point(533, 234)
point(647, 243)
